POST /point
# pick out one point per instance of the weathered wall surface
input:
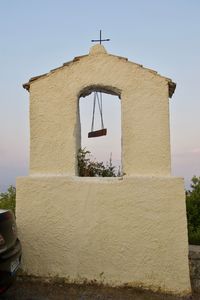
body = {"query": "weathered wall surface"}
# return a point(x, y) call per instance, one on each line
point(55, 126)
point(130, 231)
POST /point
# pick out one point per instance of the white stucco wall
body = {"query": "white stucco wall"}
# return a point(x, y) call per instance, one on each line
point(54, 119)
point(116, 231)
point(130, 231)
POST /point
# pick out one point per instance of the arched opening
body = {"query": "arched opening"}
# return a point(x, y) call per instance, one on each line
point(105, 148)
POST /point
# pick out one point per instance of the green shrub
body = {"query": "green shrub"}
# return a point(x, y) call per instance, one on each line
point(194, 236)
point(8, 199)
point(193, 211)
point(90, 168)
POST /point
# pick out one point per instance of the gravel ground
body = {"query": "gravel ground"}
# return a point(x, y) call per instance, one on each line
point(26, 290)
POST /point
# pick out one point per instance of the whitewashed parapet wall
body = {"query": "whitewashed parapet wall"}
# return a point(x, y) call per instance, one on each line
point(130, 229)
point(55, 128)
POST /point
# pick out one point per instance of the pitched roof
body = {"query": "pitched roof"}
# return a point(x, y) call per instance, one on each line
point(94, 51)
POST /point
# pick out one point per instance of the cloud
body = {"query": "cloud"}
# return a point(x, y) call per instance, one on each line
point(195, 151)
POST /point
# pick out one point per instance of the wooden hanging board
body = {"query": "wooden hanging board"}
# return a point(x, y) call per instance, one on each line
point(97, 133)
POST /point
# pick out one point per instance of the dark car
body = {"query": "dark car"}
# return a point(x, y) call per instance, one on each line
point(10, 249)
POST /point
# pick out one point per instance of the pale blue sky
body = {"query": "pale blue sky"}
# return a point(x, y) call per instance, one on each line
point(36, 36)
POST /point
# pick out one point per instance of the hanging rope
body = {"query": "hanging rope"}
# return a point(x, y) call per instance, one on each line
point(102, 131)
point(93, 113)
point(98, 98)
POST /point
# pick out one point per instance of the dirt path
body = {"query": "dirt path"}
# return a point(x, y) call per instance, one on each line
point(23, 290)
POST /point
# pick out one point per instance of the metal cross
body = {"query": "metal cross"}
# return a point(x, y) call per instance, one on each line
point(100, 40)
